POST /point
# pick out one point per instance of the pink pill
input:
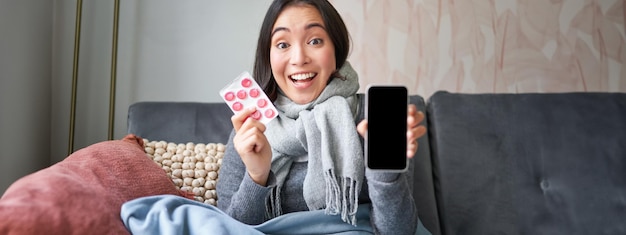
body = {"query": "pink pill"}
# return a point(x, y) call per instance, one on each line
point(237, 106)
point(246, 82)
point(261, 103)
point(242, 94)
point(229, 96)
point(256, 115)
point(254, 93)
point(269, 113)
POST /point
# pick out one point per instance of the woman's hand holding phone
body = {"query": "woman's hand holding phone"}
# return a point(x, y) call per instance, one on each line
point(390, 129)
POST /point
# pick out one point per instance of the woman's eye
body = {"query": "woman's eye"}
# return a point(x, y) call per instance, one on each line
point(282, 45)
point(316, 41)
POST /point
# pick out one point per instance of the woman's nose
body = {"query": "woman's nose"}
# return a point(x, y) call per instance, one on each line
point(299, 55)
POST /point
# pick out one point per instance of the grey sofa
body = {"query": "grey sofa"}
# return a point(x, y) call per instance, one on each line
point(552, 163)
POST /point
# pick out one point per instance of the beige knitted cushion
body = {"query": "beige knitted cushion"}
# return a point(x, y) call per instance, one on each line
point(193, 167)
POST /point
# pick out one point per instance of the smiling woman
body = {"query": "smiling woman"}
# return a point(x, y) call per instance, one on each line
point(313, 145)
point(309, 160)
point(319, 35)
point(301, 54)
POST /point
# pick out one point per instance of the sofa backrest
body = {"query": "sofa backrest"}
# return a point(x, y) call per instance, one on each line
point(180, 122)
point(529, 163)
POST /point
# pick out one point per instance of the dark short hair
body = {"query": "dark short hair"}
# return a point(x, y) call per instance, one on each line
point(335, 27)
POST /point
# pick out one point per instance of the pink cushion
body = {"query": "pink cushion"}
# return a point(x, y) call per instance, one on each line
point(83, 193)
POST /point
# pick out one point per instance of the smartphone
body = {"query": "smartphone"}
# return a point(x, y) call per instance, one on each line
point(385, 141)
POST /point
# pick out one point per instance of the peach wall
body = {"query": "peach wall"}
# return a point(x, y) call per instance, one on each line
point(488, 46)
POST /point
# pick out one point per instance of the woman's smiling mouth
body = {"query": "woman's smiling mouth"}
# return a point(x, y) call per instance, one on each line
point(302, 77)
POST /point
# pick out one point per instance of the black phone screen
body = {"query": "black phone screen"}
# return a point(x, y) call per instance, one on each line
point(385, 142)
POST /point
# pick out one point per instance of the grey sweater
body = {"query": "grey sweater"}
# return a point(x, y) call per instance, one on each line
point(393, 210)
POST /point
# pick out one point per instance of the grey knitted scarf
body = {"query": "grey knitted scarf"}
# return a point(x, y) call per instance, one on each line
point(323, 133)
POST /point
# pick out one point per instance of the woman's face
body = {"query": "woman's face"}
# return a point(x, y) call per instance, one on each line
point(302, 54)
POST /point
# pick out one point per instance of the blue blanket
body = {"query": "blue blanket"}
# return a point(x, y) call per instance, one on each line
point(167, 214)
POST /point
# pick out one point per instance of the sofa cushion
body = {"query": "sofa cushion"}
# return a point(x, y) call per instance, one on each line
point(529, 163)
point(83, 194)
point(193, 167)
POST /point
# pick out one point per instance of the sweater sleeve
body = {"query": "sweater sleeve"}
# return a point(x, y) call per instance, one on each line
point(238, 195)
point(393, 208)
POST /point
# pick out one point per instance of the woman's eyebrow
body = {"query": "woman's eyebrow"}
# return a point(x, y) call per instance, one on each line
point(308, 26)
point(312, 25)
point(277, 29)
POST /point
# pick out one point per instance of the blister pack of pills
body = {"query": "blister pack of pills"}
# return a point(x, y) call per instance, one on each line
point(244, 92)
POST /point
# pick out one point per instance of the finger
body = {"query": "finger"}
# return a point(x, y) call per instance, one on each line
point(260, 143)
point(239, 118)
point(415, 133)
point(249, 140)
point(253, 123)
point(420, 131)
point(362, 128)
point(410, 116)
point(411, 149)
point(420, 116)
point(412, 136)
point(411, 109)
point(413, 116)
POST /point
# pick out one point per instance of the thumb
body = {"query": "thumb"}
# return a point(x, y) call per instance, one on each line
point(362, 128)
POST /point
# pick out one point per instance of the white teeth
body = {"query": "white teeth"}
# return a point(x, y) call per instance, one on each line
point(302, 76)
